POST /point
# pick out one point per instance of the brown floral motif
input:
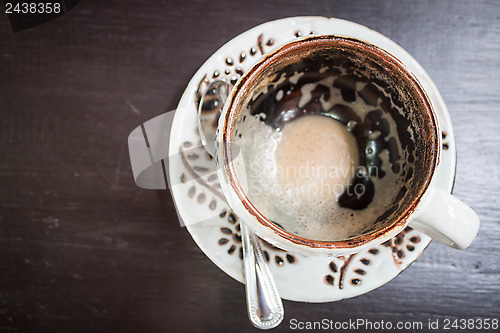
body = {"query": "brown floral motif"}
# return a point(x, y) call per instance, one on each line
point(231, 238)
point(231, 233)
point(199, 166)
point(232, 69)
point(446, 146)
point(338, 268)
point(299, 34)
point(280, 258)
point(232, 66)
point(340, 265)
point(405, 241)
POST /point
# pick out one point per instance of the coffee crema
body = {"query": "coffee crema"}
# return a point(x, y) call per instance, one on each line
point(306, 163)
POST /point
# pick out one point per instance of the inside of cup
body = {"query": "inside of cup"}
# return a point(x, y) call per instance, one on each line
point(370, 95)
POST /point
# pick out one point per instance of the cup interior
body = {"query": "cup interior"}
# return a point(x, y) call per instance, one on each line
point(360, 89)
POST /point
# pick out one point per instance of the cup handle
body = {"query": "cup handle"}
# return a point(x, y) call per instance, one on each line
point(446, 219)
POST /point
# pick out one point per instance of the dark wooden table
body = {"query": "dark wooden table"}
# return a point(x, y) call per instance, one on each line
point(83, 249)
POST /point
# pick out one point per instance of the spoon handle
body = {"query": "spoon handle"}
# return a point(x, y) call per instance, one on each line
point(265, 308)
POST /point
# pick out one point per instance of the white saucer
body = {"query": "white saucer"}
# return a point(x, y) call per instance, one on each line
point(215, 229)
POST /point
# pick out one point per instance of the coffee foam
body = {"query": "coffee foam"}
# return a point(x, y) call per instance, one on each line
point(306, 204)
point(316, 158)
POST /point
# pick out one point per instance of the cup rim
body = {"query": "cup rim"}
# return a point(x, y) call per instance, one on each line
point(228, 118)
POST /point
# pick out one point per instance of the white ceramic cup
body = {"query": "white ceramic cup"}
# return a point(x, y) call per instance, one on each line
point(421, 205)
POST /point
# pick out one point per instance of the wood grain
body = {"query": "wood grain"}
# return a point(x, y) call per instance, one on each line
point(83, 249)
